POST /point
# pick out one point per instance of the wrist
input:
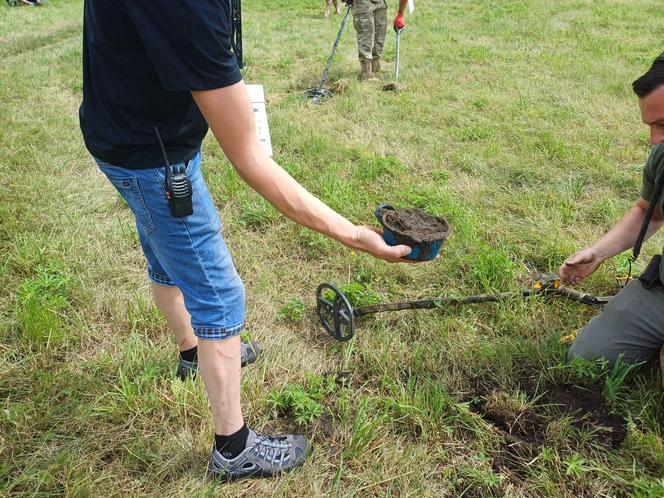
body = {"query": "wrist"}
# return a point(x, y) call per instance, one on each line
point(350, 236)
point(343, 231)
point(600, 253)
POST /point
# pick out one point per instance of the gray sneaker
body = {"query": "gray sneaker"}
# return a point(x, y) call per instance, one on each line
point(264, 456)
point(249, 353)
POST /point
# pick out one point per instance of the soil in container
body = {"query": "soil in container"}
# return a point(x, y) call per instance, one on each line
point(413, 226)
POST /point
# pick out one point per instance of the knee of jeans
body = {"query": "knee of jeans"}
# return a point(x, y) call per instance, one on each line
point(223, 309)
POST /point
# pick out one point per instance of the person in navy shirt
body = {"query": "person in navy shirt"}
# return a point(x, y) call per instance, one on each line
point(170, 66)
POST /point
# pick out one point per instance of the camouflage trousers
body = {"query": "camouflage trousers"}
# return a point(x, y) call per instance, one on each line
point(370, 21)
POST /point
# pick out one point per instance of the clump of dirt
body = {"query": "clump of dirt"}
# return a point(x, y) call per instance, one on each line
point(340, 86)
point(394, 86)
point(416, 225)
point(527, 426)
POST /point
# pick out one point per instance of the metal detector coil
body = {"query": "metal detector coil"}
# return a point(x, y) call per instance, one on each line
point(335, 312)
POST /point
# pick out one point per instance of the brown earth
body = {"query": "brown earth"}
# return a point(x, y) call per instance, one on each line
point(416, 224)
point(394, 87)
point(525, 433)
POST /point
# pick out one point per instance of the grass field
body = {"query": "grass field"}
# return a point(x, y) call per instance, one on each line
point(518, 124)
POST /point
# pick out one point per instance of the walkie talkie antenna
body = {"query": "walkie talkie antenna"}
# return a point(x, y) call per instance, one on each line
point(163, 151)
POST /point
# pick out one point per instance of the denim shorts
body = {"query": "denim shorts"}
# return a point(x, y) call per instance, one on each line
point(188, 252)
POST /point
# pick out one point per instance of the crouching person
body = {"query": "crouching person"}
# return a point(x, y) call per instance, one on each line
point(632, 324)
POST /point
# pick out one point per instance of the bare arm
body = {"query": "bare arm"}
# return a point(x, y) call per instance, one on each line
point(623, 234)
point(620, 238)
point(229, 114)
point(402, 6)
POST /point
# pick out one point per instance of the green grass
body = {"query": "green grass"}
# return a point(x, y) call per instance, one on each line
point(517, 124)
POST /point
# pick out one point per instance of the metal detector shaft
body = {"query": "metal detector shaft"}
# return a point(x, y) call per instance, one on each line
point(480, 298)
point(396, 66)
point(334, 50)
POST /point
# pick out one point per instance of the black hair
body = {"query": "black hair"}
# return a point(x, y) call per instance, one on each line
point(651, 80)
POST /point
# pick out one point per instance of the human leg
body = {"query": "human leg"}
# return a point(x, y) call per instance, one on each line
point(170, 302)
point(191, 254)
point(219, 363)
point(380, 32)
point(364, 27)
point(631, 325)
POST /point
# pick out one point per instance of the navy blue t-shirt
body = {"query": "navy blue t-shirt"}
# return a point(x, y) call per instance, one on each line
point(141, 59)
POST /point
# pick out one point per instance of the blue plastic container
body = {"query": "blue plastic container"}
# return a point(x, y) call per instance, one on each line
point(422, 250)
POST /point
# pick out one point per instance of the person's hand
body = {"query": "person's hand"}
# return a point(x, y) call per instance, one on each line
point(370, 240)
point(399, 22)
point(579, 265)
point(348, 2)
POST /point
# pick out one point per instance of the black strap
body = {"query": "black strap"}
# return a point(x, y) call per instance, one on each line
point(650, 276)
point(236, 30)
point(654, 198)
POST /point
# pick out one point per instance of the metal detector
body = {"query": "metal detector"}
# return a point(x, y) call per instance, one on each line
point(337, 315)
point(317, 93)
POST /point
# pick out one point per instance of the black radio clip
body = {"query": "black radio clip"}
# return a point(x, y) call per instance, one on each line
point(177, 185)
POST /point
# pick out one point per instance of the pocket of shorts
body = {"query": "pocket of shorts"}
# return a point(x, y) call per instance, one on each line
point(130, 191)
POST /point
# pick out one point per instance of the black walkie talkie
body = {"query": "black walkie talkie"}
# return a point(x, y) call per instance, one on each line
point(178, 187)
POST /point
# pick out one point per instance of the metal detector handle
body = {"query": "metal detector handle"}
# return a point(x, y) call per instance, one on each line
point(582, 297)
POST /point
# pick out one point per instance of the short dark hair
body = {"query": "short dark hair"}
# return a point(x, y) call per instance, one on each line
point(651, 80)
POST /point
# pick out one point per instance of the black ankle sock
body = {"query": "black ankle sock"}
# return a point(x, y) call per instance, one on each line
point(189, 354)
point(231, 446)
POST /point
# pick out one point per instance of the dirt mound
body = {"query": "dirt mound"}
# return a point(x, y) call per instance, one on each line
point(589, 410)
point(526, 426)
point(394, 87)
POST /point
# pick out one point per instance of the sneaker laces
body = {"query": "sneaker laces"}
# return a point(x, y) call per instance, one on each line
point(274, 449)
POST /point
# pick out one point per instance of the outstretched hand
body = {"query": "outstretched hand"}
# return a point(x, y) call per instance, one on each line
point(370, 240)
point(579, 265)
